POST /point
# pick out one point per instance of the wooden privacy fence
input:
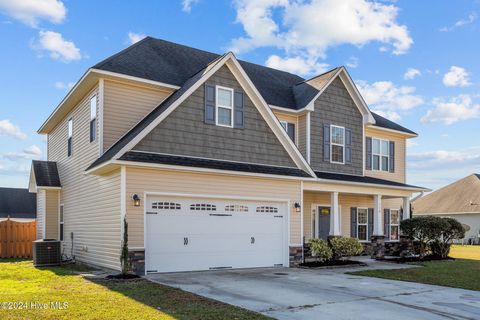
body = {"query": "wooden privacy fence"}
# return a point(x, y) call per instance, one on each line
point(16, 238)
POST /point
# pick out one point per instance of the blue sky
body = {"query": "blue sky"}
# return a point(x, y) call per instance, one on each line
point(416, 62)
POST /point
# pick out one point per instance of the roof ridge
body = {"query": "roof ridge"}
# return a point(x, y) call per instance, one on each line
point(130, 47)
point(319, 75)
point(209, 52)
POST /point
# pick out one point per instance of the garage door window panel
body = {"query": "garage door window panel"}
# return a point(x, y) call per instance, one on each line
point(267, 209)
point(236, 208)
point(166, 206)
point(203, 207)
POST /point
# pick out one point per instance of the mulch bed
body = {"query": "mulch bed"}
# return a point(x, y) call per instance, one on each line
point(121, 276)
point(331, 263)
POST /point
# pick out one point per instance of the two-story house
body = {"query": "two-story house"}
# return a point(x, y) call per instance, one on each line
point(214, 163)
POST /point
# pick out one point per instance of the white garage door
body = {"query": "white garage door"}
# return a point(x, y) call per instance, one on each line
point(186, 234)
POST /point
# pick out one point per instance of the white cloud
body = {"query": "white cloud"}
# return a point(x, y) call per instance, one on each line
point(309, 29)
point(187, 5)
point(135, 37)
point(439, 167)
point(391, 115)
point(452, 110)
point(10, 130)
point(33, 150)
point(411, 143)
point(456, 77)
point(31, 12)
point(352, 62)
point(63, 85)
point(297, 65)
point(388, 99)
point(58, 47)
point(411, 73)
point(462, 22)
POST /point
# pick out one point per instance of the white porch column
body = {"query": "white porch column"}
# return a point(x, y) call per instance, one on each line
point(334, 215)
point(377, 216)
point(406, 208)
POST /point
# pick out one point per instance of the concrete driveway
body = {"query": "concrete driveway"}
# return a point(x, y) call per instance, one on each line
point(326, 294)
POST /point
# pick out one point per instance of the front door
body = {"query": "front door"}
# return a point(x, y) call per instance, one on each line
point(323, 222)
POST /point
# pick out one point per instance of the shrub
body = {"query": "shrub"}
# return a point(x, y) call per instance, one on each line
point(124, 259)
point(434, 233)
point(320, 250)
point(451, 229)
point(344, 247)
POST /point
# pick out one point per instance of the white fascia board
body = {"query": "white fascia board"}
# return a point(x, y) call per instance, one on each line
point(269, 117)
point(132, 78)
point(371, 185)
point(211, 69)
point(409, 135)
point(205, 170)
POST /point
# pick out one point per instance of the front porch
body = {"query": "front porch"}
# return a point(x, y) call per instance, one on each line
point(370, 214)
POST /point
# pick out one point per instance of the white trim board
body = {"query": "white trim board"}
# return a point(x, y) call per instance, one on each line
point(240, 75)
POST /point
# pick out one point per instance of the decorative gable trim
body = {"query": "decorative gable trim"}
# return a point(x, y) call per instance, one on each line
point(352, 90)
point(247, 85)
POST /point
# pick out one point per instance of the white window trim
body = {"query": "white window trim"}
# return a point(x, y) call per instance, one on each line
point(217, 105)
point(363, 224)
point(390, 224)
point(380, 155)
point(93, 116)
point(70, 136)
point(60, 221)
point(284, 125)
point(337, 144)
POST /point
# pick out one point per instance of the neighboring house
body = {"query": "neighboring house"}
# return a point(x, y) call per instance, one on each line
point(459, 200)
point(17, 204)
point(215, 162)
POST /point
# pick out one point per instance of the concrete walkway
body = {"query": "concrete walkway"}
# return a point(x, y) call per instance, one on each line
point(327, 294)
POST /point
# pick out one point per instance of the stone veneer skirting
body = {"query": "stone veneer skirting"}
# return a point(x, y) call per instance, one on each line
point(137, 261)
point(296, 256)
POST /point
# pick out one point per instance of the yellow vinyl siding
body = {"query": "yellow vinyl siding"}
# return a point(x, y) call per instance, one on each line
point(139, 181)
point(51, 216)
point(302, 135)
point(91, 203)
point(124, 106)
point(400, 152)
point(40, 213)
point(346, 202)
point(289, 118)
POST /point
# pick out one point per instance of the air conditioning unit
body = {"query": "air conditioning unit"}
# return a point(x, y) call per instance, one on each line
point(46, 252)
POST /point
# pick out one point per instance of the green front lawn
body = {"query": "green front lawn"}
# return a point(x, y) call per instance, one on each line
point(22, 285)
point(461, 273)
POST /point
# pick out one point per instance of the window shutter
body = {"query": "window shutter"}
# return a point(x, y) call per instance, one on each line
point(391, 165)
point(326, 142)
point(370, 222)
point(239, 110)
point(368, 153)
point(353, 222)
point(348, 146)
point(386, 222)
point(291, 131)
point(209, 104)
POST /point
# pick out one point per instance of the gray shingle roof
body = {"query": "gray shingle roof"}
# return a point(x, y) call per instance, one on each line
point(360, 179)
point(46, 173)
point(211, 164)
point(176, 64)
point(17, 203)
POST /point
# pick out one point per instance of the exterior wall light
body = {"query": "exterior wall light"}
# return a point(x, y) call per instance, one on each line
point(297, 207)
point(136, 200)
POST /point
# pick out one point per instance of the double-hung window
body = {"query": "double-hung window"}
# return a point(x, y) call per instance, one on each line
point(224, 106)
point(380, 154)
point(337, 145)
point(93, 118)
point(394, 224)
point(362, 224)
point(69, 139)
point(61, 224)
